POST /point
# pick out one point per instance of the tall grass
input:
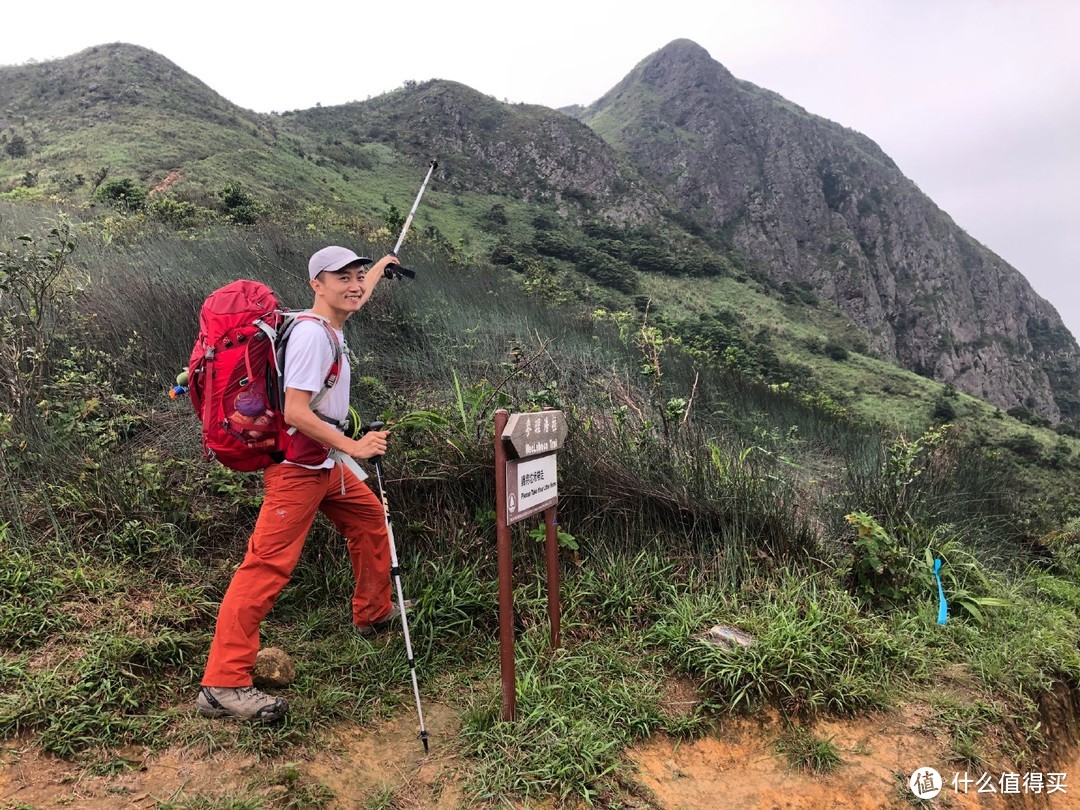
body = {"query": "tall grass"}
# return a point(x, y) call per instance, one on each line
point(695, 495)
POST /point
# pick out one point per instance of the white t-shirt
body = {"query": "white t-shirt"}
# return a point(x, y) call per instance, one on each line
point(308, 357)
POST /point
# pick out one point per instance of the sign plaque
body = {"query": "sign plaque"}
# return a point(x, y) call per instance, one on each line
point(531, 486)
point(531, 434)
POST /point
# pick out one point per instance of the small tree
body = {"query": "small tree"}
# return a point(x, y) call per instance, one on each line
point(34, 296)
point(497, 215)
point(393, 218)
point(240, 206)
point(99, 177)
point(124, 194)
point(944, 410)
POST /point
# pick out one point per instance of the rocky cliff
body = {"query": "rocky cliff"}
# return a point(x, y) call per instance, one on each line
point(528, 152)
point(809, 200)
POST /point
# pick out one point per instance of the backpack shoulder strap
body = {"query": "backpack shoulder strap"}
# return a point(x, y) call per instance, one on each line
point(335, 347)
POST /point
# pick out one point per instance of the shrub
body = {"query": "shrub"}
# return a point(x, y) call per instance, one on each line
point(1024, 415)
point(800, 292)
point(944, 410)
point(124, 194)
point(393, 218)
point(36, 296)
point(497, 215)
point(16, 147)
point(836, 351)
point(1025, 445)
point(554, 244)
point(240, 207)
point(503, 254)
point(178, 213)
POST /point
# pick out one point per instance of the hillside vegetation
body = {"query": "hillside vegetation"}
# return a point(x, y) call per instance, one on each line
point(682, 170)
point(692, 493)
point(738, 454)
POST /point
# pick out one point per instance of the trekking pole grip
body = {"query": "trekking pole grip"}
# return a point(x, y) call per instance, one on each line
point(395, 270)
point(376, 460)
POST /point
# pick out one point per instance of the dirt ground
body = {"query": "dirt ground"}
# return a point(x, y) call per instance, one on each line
point(737, 766)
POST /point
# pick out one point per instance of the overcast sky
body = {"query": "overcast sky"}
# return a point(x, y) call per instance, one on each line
point(977, 101)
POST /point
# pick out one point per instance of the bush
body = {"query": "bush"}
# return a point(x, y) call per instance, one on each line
point(503, 254)
point(1022, 414)
point(1065, 429)
point(16, 147)
point(608, 271)
point(497, 215)
point(554, 244)
point(124, 194)
point(241, 207)
point(944, 410)
point(800, 292)
point(1025, 445)
point(178, 213)
point(35, 301)
point(836, 351)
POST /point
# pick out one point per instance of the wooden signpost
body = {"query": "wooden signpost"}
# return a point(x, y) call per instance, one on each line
point(526, 483)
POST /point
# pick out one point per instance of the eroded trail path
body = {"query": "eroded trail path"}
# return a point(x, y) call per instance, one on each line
point(735, 767)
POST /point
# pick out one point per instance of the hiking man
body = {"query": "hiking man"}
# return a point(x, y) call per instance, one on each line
point(310, 479)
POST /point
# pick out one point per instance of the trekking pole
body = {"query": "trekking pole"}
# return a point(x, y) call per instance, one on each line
point(395, 571)
point(398, 270)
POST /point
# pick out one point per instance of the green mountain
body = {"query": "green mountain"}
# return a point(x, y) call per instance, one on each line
point(815, 203)
point(743, 452)
point(684, 187)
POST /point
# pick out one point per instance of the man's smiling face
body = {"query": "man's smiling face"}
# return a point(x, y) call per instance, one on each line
point(341, 291)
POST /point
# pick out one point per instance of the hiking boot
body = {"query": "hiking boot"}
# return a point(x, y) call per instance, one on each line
point(393, 616)
point(242, 702)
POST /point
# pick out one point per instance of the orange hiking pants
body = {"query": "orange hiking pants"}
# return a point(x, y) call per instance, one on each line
point(293, 495)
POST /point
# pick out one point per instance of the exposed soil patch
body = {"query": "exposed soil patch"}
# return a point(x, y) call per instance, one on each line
point(391, 759)
point(28, 777)
point(356, 765)
point(737, 766)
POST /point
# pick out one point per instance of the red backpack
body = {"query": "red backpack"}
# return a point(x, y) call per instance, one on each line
point(235, 379)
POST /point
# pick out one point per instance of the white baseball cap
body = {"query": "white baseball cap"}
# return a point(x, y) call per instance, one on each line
point(333, 258)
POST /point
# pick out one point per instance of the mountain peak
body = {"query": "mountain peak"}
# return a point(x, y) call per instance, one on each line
point(810, 201)
point(679, 65)
point(681, 58)
point(685, 48)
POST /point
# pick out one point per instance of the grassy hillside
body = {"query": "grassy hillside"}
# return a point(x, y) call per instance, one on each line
point(736, 455)
point(526, 188)
point(694, 491)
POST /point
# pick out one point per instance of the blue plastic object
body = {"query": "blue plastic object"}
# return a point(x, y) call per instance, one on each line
point(943, 606)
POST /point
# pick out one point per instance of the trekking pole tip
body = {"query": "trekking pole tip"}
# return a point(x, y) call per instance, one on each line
point(423, 735)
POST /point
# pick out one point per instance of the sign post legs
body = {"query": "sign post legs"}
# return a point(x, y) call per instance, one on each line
point(552, 549)
point(506, 575)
